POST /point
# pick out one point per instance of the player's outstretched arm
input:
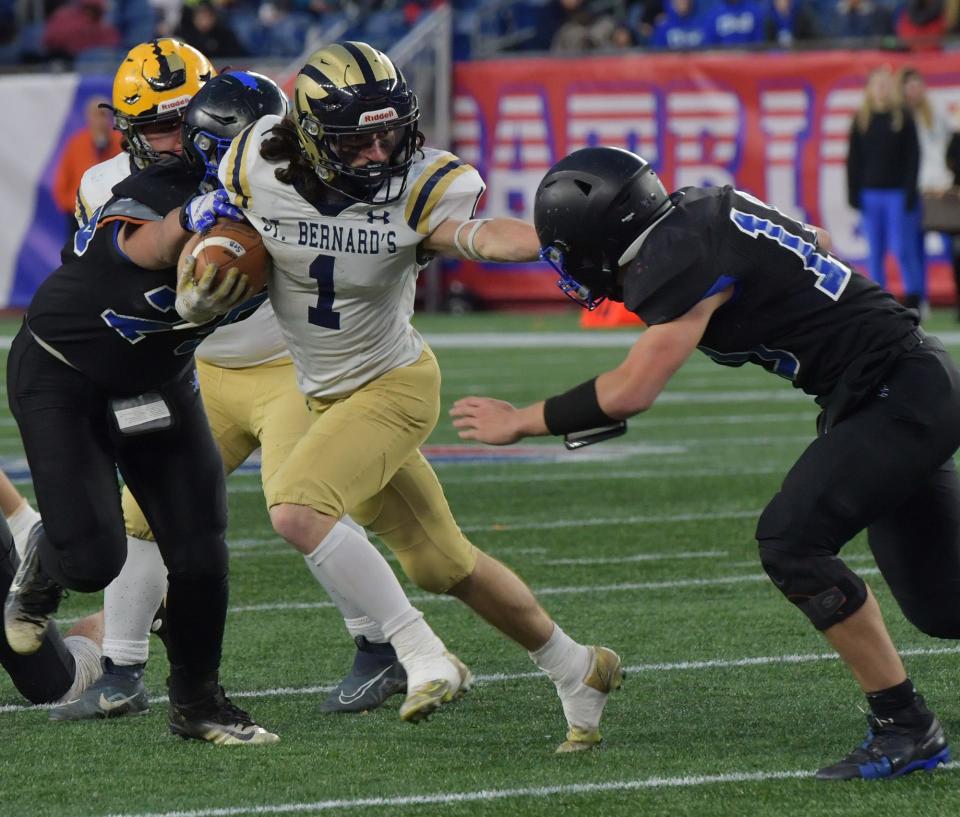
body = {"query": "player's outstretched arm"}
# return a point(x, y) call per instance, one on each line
point(156, 244)
point(507, 240)
point(615, 395)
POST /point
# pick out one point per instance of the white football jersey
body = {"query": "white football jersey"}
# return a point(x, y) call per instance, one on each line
point(344, 277)
point(249, 342)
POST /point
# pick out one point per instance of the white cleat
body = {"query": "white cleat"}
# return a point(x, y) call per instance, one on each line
point(584, 706)
point(423, 699)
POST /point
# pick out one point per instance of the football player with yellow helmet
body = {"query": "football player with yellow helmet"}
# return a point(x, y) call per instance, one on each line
point(351, 206)
point(151, 88)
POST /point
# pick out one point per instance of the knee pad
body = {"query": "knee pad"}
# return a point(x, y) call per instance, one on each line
point(821, 585)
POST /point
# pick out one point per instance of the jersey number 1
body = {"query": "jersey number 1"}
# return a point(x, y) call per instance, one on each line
point(321, 270)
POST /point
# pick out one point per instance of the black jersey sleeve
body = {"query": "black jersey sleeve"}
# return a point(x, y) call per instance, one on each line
point(671, 274)
point(161, 186)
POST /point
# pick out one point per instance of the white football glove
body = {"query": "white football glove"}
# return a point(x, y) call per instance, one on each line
point(199, 303)
point(200, 212)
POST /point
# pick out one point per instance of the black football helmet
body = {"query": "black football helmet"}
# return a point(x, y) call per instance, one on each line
point(220, 110)
point(345, 94)
point(590, 211)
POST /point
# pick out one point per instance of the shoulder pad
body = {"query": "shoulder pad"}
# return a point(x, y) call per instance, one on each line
point(441, 186)
point(236, 168)
point(160, 187)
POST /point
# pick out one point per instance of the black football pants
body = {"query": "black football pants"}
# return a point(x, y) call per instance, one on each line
point(887, 468)
point(46, 675)
point(74, 450)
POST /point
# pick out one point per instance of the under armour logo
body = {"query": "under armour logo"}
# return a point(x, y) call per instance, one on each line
point(372, 216)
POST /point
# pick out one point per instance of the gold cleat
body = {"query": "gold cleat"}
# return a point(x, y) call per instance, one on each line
point(605, 675)
point(425, 699)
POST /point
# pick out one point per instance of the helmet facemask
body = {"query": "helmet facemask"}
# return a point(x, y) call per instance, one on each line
point(586, 282)
point(348, 98)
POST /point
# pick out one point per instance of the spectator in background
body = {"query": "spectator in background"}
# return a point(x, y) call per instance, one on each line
point(283, 29)
point(77, 27)
point(623, 37)
point(922, 24)
point(644, 16)
point(581, 29)
point(203, 28)
point(94, 143)
point(736, 22)
point(863, 18)
point(680, 28)
point(882, 166)
point(788, 22)
point(933, 135)
point(168, 14)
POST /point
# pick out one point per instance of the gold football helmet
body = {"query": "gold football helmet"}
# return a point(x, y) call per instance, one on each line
point(153, 85)
point(346, 94)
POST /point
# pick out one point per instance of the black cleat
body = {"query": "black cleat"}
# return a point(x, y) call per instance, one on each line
point(32, 600)
point(216, 720)
point(891, 750)
point(376, 674)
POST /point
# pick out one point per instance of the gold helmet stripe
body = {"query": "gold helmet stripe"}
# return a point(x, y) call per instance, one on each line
point(430, 188)
point(236, 176)
point(317, 90)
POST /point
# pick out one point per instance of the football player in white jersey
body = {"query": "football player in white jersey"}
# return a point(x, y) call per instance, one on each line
point(351, 206)
point(250, 396)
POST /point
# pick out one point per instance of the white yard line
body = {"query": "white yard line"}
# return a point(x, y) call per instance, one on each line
point(639, 557)
point(620, 587)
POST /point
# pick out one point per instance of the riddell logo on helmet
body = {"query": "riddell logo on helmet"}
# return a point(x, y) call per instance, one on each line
point(173, 104)
point(372, 117)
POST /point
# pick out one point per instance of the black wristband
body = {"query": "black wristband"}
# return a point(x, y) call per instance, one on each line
point(575, 410)
point(183, 217)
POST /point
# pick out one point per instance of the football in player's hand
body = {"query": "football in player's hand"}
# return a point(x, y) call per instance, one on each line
point(231, 244)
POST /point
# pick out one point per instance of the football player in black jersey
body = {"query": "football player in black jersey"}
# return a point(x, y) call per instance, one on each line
point(100, 378)
point(718, 270)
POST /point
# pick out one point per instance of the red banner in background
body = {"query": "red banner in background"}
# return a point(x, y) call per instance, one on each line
point(774, 125)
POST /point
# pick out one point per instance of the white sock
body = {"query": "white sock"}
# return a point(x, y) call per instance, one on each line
point(359, 580)
point(353, 616)
point(130, 601)
point(365, 626)
point(86, 655)
point(423, 654)
point(567, 664)
point(21, 522)
point(564, 660)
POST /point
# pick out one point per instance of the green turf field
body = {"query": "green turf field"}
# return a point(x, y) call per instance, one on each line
point(643, 544)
